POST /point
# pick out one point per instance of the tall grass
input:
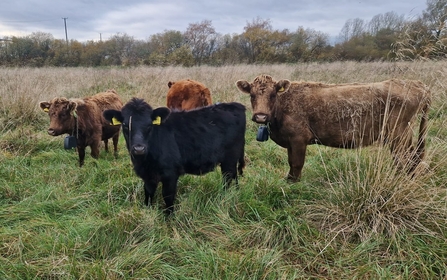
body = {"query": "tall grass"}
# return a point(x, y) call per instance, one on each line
point(353, 215)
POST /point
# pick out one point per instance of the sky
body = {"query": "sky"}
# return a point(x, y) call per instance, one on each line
point(100, 19)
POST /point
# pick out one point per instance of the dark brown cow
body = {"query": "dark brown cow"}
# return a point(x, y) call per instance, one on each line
point(343, 116)
point(83, 119)
point(187, 94)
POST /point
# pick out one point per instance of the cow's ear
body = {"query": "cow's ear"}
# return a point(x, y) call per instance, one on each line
point(170, 84)
point(113, 116)
point(45, 106)
point(71, 106)
point(243, 86)
point(160, 115)
point(282, 86)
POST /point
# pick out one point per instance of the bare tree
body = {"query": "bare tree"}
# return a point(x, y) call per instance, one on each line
point(435, 17)
point(390, 21)
point(353, 28)
point(201, 37)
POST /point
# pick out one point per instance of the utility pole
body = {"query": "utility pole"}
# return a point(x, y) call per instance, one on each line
point(65, 23)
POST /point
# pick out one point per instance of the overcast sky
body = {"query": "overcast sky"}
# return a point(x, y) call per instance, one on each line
point(95, 19)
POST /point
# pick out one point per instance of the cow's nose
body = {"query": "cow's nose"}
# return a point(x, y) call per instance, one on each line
point(51, 131)
point(138, 150)
point(260, 118)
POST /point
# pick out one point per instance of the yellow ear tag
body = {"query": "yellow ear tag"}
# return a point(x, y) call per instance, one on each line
point(115, 121)
point(281, 89)
point(46, 109)
point(157, 121)
point(74, 114)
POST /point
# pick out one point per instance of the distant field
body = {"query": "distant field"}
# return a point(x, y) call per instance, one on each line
point(353, 215)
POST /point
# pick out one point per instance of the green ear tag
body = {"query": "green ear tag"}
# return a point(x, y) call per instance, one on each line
point(157, 121)
point(115, 121)
point(74, 114)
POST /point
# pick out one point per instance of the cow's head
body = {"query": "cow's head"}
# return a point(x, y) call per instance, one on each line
point(62, 113)
point(137, 119)
point(263, 95)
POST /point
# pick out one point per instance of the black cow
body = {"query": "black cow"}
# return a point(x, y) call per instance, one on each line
point(165, 144)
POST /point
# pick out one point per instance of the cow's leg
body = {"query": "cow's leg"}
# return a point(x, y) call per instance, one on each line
point(296, 154)
point(81, 153)
point(106, 145)
point(169, 191)
point(401, 147)
point(115, 144)
point(95, 149)
point(150, 186)
point(229, 171)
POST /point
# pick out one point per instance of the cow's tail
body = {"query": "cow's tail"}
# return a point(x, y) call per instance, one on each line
point(241, 164)
point(420, 148)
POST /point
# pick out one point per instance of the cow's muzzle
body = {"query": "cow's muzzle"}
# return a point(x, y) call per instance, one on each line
point(138, 150)
point(260, 118)
point(52, 132)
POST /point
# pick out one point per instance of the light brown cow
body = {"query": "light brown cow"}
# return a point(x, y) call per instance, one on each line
point(343, 116)
point(83, 119)
point(187, 94)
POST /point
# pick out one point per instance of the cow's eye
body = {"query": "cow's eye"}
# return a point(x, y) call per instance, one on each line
point(272, 96)
point(252, 97)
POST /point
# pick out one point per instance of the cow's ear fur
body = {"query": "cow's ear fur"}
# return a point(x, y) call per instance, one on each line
point(282, 86)
point(243, 86)
point(162, 113)
point(111, 114)
point(45, 106)
point(71, 106)
point(170, 84)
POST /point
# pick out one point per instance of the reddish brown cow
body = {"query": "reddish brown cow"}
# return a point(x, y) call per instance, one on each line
point(187, 94)
point(83, 119)
point(343, 116)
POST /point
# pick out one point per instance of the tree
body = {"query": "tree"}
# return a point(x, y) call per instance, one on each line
point(201, 37)
point(435, 17)
point(20, 50)
point(92, 54)
point(229, 50)
point(120, 50)
point(257, 39)
point(165, 43)
point(389, 21)
point(307, 44)
point(353, 28)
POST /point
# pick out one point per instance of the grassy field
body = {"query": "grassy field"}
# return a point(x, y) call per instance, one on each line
point(353, 215)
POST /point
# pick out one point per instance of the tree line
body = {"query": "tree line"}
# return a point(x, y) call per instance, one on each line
point(386, 36)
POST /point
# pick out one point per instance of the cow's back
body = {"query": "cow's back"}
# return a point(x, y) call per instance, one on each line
point(107, 100)
point(104, 101)
point(352, 113)
point(200, 138)
point(187, 95)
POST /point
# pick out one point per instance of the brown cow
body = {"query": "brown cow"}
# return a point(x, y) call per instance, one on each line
point(83, 119)
point(343, 116)
point(187, 94)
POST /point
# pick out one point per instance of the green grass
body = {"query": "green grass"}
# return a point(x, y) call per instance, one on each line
point(353, 215)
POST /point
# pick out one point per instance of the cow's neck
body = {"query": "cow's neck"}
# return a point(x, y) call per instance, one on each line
point(275, 126)
point(276, 117)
